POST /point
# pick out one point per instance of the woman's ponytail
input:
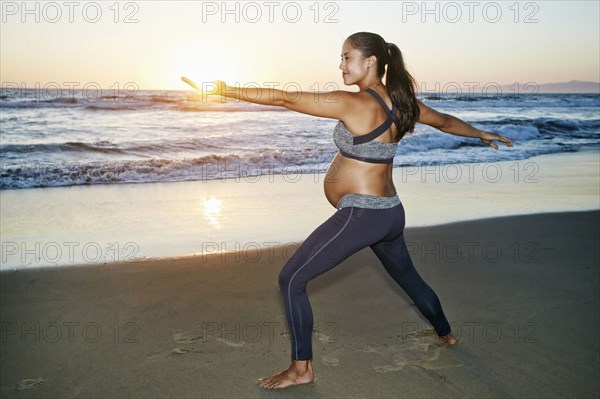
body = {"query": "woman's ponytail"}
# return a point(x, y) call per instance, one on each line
point(401, 88)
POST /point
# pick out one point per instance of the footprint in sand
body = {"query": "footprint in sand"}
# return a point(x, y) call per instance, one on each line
point(419, 335)
point(155, 355)
point(418, 349)
point(30, 383)
point(194, 335)
point(400, 356)
point(187, 337)
point(324, 338)
point(330, 360)
point(180, 351)
point(182, 338)
point(386, 368)
point(231, 343)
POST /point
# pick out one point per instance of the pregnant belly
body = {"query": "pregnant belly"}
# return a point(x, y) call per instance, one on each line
point(346, 176)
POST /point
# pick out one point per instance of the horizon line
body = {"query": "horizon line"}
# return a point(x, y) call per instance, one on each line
point(461, 84)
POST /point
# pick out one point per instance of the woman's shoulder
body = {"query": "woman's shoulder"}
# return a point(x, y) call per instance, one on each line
point(356, 101)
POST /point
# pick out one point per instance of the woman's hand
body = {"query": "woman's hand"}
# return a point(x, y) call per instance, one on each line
point(488, 139)
point(215, 88)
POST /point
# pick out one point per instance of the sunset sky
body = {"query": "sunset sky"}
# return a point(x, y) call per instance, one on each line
point(286, 42)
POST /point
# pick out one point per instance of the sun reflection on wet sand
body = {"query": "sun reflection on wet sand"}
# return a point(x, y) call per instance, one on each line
point(212, 211)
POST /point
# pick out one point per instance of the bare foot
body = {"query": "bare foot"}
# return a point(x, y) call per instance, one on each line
point(449, 339)
point(300, 372)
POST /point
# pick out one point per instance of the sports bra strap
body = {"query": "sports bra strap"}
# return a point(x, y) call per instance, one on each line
point(378, 97)
point(392, 117)
point(374, 134)
point(393, 113)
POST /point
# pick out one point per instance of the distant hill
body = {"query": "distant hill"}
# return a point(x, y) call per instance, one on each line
point(573, 86)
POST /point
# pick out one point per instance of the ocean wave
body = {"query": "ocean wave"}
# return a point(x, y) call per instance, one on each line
point(546, 126)
point(510, 100)
point(178, 101)
point(56, 148)
point(109, 107)
point(140, 148)
point(210, 167)
point(569, 127)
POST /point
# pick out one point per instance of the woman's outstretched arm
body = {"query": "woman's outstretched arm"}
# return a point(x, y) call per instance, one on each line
point(334, 104)
point(451, 124)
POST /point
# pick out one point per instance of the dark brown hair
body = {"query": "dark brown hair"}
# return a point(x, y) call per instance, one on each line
point(399, 83)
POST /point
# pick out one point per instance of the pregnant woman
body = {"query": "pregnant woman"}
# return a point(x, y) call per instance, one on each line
point(359, 184)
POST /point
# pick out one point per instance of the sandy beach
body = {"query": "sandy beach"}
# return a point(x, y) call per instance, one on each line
point(521, 293)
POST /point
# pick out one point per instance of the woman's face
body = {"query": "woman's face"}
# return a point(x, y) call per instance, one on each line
point(354, 65)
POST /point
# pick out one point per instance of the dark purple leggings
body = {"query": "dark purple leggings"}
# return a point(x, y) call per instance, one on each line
point(349, 230)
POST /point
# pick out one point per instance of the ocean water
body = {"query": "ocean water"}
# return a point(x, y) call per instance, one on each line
point(58, 138)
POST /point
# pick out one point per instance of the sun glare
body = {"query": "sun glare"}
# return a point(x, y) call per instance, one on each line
point(202, 61)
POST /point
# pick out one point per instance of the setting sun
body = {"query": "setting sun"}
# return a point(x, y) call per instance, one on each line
point(201, 61)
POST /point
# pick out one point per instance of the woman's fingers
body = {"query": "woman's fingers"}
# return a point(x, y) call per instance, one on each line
point(191, 83)
point(508, 142)
point(212, 88)
point(490, 137)
point(490, 143)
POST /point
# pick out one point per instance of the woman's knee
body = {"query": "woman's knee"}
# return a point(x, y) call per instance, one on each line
point(290, 279)
point(284, 278)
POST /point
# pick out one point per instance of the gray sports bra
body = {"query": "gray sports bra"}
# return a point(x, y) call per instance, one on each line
point(362, 147)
